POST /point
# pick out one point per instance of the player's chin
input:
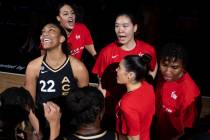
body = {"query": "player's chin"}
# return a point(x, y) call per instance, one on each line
point(118, 81)
point(169, 79)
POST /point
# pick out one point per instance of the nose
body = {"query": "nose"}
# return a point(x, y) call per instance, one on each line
point(168, 70)
point(120, 29)
point(70, 16)
point(45, 33)
point(117, 69)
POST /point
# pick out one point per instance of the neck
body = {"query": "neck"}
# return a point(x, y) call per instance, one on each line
point(129, 46)
point(133, 86)
point(180, 75)
point(68, 31)
point(88, 130)
point(55, 60)
point(55, 55)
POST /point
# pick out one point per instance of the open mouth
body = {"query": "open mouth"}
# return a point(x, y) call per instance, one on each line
point(47, 40)
point(121, 38)
point(167, 78)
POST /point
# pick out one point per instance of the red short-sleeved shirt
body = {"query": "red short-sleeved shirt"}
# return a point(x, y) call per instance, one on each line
point(175, 106)
point(135, 111)
point(113, 53)
point(79, 37)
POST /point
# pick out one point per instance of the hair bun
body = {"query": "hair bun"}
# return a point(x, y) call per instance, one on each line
point(146, 58)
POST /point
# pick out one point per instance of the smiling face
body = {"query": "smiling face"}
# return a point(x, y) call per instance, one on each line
point(66, 17)
point(124, 29)
point(51, 36)
point(171, 70)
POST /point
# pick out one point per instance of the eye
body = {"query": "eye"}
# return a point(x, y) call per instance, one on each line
point(125, 25)
point(175, 67)
point(163, 65)
point(52, 30)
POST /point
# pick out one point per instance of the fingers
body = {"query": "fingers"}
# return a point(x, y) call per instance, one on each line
point(50, 106)
point(51, 111)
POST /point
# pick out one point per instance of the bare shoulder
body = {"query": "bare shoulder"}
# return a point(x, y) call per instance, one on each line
point(80, 72)
point(76, 63)
point(34, 65)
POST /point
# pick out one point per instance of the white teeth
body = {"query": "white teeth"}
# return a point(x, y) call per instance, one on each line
point(121, 36)
point(47, 40)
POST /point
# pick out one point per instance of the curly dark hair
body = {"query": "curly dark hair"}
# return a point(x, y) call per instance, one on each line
point(172, 52)
point(85, 104)
point(15, 104)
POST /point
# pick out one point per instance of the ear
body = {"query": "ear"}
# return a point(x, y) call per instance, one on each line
point(131, 75)
point(62, 39)
point(183, 70)
point(135, 28)
point(58, 18)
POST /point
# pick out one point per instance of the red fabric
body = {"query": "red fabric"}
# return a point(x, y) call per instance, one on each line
point(79, 37)
point(113, 53)
point(135, 112)
point(175, 106)
point(106, 64)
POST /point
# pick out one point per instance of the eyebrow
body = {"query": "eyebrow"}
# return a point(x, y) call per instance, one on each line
point(52, 26)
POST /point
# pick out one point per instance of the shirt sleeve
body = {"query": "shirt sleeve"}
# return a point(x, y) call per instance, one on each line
point(100, 64)
point(130, 122)
point(153, 62)
point(88, 38)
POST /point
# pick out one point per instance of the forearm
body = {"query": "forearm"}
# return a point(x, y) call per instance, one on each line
point(54, 130)
point(154, 72)
point(34, 122)
point(137, 137)
point(100, 87)
point(91, 49)
point(178, 136)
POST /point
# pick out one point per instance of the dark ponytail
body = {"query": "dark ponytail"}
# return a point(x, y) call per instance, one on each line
point(138, 64)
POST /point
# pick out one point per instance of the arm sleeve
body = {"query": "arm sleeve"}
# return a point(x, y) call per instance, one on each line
point(100, 64)
point(153, 62)
point(130, 122)
point(88, 38)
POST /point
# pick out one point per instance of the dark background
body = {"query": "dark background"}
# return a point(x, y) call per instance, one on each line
point(184, 21)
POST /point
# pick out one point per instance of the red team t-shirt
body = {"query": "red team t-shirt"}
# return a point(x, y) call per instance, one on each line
point(135, 111)
point(77, 40)
point(175, 106)
point(113, 53)
point(105, 67)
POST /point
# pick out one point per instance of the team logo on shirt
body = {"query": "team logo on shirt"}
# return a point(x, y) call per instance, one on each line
point(65, 86)
point(77, 37)
point(114, 56)
point(140, 54)
point(173, 95)
point(42, 71)
point(167, 109)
